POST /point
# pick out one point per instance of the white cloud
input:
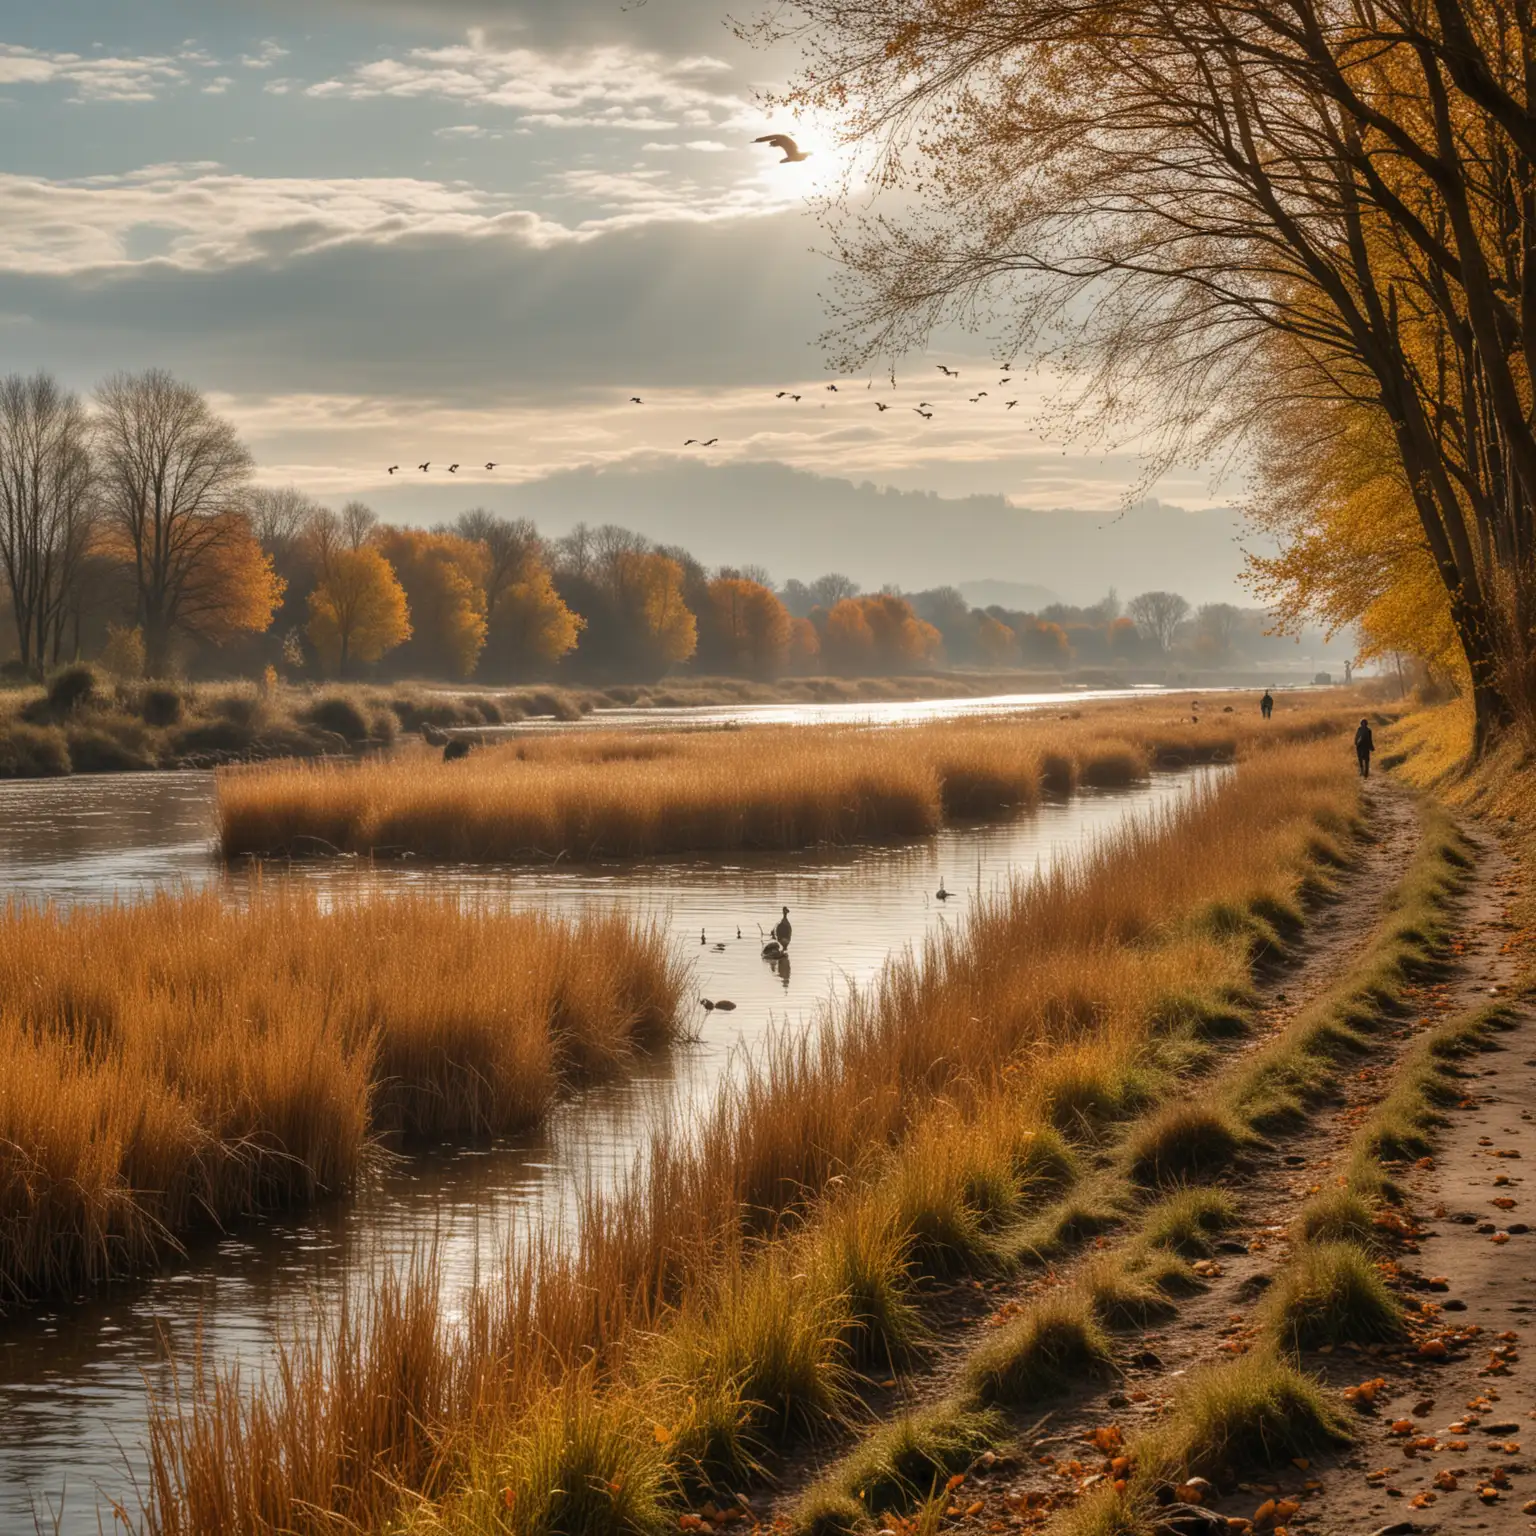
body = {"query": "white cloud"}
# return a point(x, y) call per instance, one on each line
point(97, 79)
point(216, 219)
point(707, 146)
point(264, 57)
point(218, 86)
point(607, 87)
point(464, 131)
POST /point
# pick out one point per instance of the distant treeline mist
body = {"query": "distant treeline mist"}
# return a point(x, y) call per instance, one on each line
point(131, 533)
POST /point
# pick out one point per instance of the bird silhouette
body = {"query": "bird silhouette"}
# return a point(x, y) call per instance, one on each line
point(425, 467)
point(453, 469)
point(923, 405)
point(636, 400)
point(926, 415)
point(949, 373)
point(709, 442)
point(490, 466)
point(941, 894)
point(832, 388)
point(393, 468)
point(782, 930)
point(691, 441)
point(1012, 403)
point(792, 151)
point(795, 398)
point(880, 405)
point(781, 394)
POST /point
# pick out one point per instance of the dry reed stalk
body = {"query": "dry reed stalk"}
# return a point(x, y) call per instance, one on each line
point(626, 795)
point(186, 1060)
point(1045, 1000)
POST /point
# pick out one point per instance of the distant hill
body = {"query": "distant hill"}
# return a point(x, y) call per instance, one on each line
point(800, 524)
point(1015, 596)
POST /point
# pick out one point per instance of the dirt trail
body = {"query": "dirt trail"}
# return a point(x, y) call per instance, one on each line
point(1478, 1281)
point(1017, 1492)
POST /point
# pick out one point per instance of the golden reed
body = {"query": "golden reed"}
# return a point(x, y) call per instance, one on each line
point(857, 1136)
point(626, 795)
point(187, 1060)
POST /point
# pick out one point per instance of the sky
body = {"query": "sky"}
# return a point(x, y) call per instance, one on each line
point(395, 232)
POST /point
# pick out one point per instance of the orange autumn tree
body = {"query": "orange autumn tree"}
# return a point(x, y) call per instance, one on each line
point(532, 628)
point(650, 591)
point(358, 611)
point(750, 628)
point(444, 580)
point(804, 645)
point(996, 641)
point(847, 642)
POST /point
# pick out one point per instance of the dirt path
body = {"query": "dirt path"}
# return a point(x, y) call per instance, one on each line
point(1019, 1491)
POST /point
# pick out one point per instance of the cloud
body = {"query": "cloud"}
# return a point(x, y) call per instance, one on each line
point(103, 79)
point(464, 131)
point(613, 86)
point(265, 56)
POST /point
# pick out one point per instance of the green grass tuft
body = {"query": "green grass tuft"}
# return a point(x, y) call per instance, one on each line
point(1056, 1342)
point(1331, 1293)
point(1184, 1141)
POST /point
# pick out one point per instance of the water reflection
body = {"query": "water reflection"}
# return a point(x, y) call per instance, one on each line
point(72, 1378)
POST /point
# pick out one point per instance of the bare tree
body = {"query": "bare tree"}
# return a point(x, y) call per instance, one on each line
point(1158, 615)
point(280, 517)
point(509, 544)
point(47, 486)
point(174, 479)
point(358, 521)
point(829, 590)
point(1218, 624)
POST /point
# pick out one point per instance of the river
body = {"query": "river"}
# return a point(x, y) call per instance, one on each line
point(72, 1377)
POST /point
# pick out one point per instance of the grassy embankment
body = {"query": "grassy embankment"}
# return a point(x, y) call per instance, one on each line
point(82, 722)
point(1164, 1185)
point(184, 1061)
point(624, 795)
point(729, 1298)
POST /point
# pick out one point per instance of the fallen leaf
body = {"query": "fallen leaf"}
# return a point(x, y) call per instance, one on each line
point(974, 1509)
point(1446, 1480)
point(508, 1497)
point(954, 1482)
point(1402, 1427)
point(1423, 1500)
point(1433, 1349)
point(1107, 1438)
point(662, 1433)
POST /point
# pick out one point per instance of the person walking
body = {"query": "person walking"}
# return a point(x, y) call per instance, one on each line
point(1266, 705)
point(1365, 744)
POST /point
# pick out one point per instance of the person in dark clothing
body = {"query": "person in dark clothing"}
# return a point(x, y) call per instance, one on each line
point(1266, 705)
point(1365, 744)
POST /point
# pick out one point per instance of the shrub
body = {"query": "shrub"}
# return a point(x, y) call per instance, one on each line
point(213, 738)
point(1185, 1220)
point(161, 707)
point(341, 717)
point(72, 688)
point(32, 751)
point(92, 750)
point(1184, 1141)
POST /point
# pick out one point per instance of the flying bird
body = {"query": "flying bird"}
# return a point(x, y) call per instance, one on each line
point(709, 443)
point(792, 151)
point(782, 393)
point(453, 469)
point(393, 468)
point(949, 373)
point(425, 467)
point(832, 388)
point(636, 400)
point(691, 441)
point(1012, 403)
point(926, 415)
point(795, 398)
point(490, 466)
point(880, 405)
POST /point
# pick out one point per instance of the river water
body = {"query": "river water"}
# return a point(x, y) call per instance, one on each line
point(73, 1377)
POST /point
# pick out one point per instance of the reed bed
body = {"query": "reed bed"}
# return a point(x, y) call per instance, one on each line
point(628, 795)
point(717, 1299)
point(185, 1061)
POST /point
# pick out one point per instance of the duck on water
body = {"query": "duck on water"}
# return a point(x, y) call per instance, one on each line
point(779, 943)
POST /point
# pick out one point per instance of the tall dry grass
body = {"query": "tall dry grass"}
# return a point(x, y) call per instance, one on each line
point(914, 1115)
point(625, 795)
point(184, 1060)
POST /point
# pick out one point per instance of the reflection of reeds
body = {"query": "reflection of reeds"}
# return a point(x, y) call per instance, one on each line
point(183, 1059)
point(614, 795)
point(718, 1301)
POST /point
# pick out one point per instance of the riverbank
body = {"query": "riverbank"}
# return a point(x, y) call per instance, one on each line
point(629, 795)
point(726, 1298)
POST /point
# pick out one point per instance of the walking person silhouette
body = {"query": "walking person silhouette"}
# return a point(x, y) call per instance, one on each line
point(1365, 744)
point(1266, 705)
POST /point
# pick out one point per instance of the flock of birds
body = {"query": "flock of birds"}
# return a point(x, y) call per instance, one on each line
point(793, 154)
point(924, 408)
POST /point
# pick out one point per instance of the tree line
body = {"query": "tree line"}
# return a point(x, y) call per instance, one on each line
point(131, 530)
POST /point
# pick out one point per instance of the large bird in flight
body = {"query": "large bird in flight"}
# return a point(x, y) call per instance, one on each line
point(792, 151)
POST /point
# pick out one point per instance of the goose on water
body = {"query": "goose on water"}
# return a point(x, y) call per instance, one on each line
point(941, 894)
point(782, 930)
